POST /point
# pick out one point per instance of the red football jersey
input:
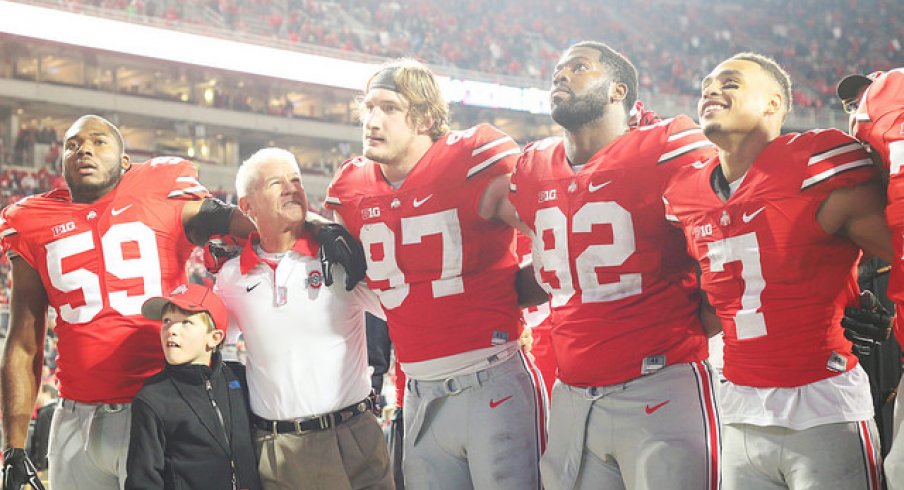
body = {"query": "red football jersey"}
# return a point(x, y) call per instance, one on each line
point(445, 275)
point(880, 123)
point(540, 324)
point(99, 262)
point(624, 292)
point(778, 282)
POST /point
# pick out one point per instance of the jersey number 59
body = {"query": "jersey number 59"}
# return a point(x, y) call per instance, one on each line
point(146, 266)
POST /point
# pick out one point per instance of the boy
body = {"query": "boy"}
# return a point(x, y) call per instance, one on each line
point(190, 424)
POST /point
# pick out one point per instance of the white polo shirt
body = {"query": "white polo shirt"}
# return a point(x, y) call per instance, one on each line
point(306, 343)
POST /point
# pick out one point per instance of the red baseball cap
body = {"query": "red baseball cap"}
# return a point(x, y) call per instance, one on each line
point(189, 297)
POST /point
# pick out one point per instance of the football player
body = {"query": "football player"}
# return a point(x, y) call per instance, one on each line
point(94, 253)
point(634, 405)
point(426, 203)
point(875, 103)
point(776, 223)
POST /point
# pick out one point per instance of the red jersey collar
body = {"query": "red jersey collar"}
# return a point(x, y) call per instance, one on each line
point(305, 245)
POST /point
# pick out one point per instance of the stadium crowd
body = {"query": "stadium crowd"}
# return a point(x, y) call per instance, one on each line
point(673, 42)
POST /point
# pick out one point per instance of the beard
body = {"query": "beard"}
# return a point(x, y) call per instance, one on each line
point(92, 191)
point(577, 112)
point(712, 129)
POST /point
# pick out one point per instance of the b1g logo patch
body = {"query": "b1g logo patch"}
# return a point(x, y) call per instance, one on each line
point(315, 279)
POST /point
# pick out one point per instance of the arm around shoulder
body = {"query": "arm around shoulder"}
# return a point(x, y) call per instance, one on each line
point(859, 214)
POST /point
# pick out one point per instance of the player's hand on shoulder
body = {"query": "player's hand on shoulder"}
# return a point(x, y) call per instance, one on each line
point(338, 246)
point(869, 325)
point(18, 470)
point(219, 249)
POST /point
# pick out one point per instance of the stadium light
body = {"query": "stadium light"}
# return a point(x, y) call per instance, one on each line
point(182, 47)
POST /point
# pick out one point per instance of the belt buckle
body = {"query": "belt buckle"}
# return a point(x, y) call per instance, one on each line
point(327, 421)
point(593, 392)
point(448, 384)
point(113, 407)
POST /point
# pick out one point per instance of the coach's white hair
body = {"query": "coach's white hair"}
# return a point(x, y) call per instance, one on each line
point(247, 171)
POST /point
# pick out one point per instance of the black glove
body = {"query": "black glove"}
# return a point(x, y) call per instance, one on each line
point(18, 470)
point(867, 326)
point(338, 246)
point(219, 249)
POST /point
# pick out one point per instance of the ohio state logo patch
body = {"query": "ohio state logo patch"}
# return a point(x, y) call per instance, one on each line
point(315, 279)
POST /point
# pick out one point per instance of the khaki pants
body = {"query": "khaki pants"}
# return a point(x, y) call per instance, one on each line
point(843, 456)
point(88, 446)
point(351, 456)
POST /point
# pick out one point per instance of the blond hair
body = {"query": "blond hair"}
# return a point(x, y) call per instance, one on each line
point(417, 84)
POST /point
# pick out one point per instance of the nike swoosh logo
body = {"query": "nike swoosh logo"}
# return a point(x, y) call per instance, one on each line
point(749, 217)
point(698, 165)
point(496, 403)
point(594, 188)
point(117, 212)
point(417, 203)
point(655, 407)
point(248, 289)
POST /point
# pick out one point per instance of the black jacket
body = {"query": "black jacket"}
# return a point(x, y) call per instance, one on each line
point(41, 436)
point(177, 440)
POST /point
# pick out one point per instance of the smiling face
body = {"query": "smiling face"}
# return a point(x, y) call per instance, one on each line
point(187, 337)
point(737, 97)
point(93, 160)
point(579, 88)
point(276, 199)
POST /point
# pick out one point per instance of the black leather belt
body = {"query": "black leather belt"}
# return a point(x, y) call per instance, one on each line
point(322, 422)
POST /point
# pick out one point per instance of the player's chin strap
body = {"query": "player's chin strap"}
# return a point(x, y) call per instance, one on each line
point(213, 218)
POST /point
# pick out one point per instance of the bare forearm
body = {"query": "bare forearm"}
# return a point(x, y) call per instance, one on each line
point(241, 225)
point(712, 326)
point(21, 373)
point(530, 293)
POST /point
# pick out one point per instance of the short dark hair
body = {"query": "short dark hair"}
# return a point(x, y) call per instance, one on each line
point(621, 68)
point(774, 70)
point(112, 127)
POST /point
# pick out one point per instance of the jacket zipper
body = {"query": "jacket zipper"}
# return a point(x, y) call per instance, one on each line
point(216, 408)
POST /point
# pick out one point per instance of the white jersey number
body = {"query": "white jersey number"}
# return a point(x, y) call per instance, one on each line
point(146, 266)
point(749, 320)
point(414, 229)
point(556, 259)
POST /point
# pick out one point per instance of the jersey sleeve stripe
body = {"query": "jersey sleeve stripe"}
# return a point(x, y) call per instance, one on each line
point(333, 200)
point(671, 155)
point(8, 232)
point(491, 144)
point(187, 179)
point(490, 161)
point(198, 190)
point(672, 218)
point(664, 122)
point(686, 132)
point(862, 117)
point(810, 182)
point(833, 152)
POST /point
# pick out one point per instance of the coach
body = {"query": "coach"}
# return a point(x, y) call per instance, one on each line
point(307, 352)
